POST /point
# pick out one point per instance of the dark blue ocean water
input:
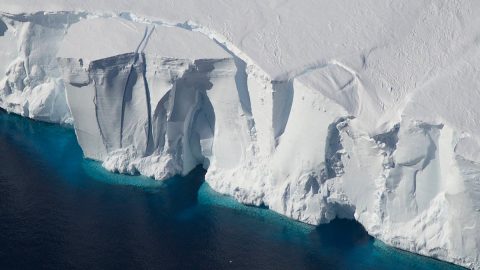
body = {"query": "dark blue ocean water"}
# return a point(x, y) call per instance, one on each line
point(59, 211)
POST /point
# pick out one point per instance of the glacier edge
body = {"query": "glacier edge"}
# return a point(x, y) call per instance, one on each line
point(303, 145)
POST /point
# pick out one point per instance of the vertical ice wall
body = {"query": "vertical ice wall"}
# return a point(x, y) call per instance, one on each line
point(157, 101)
point(154, 105)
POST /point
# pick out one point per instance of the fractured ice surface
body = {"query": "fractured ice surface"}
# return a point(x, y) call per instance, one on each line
point(32, 85)
point(367, 112)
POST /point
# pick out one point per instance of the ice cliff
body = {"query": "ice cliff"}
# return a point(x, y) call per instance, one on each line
point(317, 110)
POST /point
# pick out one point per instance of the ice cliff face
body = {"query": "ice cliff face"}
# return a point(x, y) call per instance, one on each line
point(385, 131)
point(152, 110)
point(32, 86)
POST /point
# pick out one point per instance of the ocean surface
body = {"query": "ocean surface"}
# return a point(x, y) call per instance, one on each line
point(60, 211)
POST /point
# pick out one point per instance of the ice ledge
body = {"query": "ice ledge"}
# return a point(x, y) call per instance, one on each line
point(301, 146)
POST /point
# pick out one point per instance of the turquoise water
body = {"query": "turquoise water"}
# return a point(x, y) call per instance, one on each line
point(60, 211)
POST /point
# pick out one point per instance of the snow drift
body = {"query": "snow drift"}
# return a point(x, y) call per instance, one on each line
point(369, 112)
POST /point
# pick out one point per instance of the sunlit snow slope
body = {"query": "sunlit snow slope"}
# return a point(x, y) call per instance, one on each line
point(316, 109)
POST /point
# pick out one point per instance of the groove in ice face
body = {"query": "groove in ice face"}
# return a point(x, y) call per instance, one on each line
point(3, 28)
point(333, 150)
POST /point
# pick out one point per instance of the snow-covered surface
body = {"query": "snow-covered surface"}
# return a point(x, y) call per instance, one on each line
point(316, 109)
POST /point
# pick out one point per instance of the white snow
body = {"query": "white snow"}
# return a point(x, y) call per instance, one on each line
point(316, 109)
